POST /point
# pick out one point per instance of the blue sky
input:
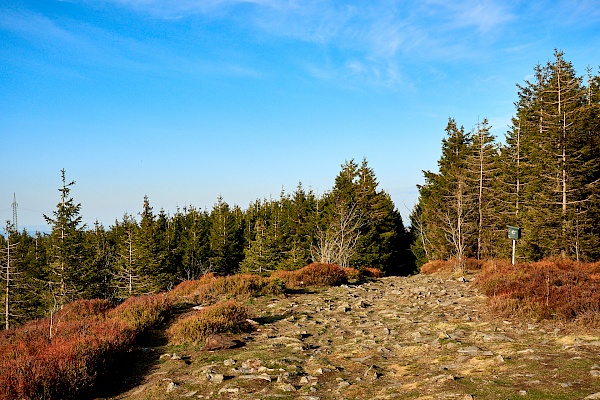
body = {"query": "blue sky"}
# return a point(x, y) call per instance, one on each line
point(186, 100)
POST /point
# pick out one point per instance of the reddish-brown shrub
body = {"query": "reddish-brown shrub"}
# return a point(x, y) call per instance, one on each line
point(33, 365)
point(434, 266)
point(141, 312)
point(315, 274)
point(546, 289)
point(80, 309)
point(239, 287)
point(371, 272)
point(186, 289)
point(219, 318)
point(352, 273)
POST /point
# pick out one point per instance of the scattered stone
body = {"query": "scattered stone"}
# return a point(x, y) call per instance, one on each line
point(171, 387)
point(343, 385)
point(526, 351)
point(443, 378)
point(419, 337)
point(263, 377)
point(229, 390)
point(175, 357)
point(594, 396)
point(215, 378)
point(288, 387)
point(322, 371)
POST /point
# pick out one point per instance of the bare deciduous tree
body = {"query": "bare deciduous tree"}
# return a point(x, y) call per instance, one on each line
point(337, 242)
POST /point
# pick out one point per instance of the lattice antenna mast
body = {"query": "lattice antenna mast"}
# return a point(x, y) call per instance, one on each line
point(14, 212)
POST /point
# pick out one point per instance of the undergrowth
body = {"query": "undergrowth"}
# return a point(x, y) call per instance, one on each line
point(59, 356)
point(549, 289)
point(56, 357)
point(223, 317)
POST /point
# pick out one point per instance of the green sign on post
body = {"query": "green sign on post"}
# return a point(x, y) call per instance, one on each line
point(514, 233)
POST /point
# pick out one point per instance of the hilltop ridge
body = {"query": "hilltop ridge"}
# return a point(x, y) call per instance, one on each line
point(423, 336)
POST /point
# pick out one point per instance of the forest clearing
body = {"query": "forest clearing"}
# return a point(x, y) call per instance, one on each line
point(486, 334)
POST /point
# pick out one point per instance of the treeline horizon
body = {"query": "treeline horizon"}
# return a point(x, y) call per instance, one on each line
point(544, 177)
point(355, 224)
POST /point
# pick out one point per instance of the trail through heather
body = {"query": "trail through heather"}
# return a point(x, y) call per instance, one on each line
point(419, 337)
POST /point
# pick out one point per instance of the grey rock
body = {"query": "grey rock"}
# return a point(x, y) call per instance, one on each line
point(343, 385)
point(171, 387)
point(263, 377)
point(215, 378)
point(229, 390)
point(288, 387)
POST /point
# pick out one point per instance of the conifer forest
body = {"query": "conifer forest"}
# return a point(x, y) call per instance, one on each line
point(543, 176)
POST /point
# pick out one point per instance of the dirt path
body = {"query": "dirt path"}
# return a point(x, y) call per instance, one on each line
point(422, 337)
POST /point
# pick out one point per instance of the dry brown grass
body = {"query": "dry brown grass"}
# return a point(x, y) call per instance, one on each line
point(315, 274)
point(558, 289)
point(211, 289)
point(224, 317)
point(471, 265)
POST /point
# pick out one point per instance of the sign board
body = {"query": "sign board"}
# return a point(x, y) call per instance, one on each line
point(514, 232)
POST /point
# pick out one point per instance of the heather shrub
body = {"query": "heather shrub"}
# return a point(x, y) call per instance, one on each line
point(80, 309)
point(223, 317)
point(186, 289)
point(35, 365)
point(315, 274)
point(372, 272)
point(562, 289)
point(214, 289)
point(141, 312)
point(352, 273)
point(434, 266)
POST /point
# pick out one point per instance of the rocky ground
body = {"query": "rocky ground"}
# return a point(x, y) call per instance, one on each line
point(421, 337)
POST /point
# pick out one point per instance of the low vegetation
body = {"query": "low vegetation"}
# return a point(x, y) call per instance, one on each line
point(315, 274)
point(549, 289)
point(223, 317)
point(58, 356)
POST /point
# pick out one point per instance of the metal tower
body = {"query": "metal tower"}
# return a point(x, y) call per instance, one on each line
point(14, 210)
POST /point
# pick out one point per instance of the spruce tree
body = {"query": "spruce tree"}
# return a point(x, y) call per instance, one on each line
point(129, 276)
point(482, 169)
point(66, 278)
point(446, 201)
point(226, 240)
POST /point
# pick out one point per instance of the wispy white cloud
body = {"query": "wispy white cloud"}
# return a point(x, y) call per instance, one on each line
point(77, 43)
point(372, 40)
point(485, 15)
point(34, 26)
